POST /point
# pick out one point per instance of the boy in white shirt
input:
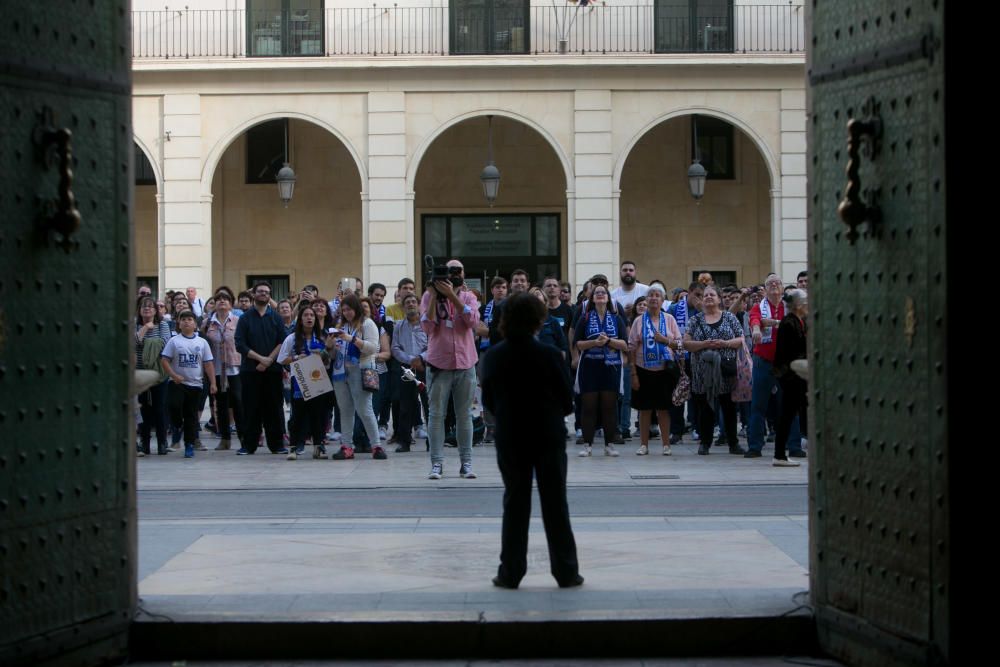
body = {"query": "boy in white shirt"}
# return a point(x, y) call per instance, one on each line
point(186, 358)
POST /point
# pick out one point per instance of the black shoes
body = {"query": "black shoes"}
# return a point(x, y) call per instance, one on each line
point(736, 449)
point(572, 583)
point(752, 454)
point(703, 449)
point(503, 583)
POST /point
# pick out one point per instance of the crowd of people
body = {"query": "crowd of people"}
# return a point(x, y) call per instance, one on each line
point(705, 361)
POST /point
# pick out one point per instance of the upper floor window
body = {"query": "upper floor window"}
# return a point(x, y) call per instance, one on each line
point(715, 141)
point(285, 27)
point(688, 26)
point(489, 26)
point(266, 150)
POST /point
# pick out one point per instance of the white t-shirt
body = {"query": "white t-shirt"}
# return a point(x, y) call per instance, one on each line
point(627, 299)
point(187, 357)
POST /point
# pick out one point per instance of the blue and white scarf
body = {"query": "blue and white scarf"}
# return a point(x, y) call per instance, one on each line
point(765, 313)
point(681, 314)
point(347, 353)
point(611, 356)
point(654, 354)
point(487, 318)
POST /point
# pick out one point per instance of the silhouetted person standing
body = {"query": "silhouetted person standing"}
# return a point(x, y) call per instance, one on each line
point(526, 386)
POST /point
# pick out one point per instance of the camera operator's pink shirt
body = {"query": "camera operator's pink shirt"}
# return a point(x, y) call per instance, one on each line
point(451, 347)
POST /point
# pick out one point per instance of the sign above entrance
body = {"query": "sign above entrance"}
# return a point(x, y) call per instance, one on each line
point(491, 236)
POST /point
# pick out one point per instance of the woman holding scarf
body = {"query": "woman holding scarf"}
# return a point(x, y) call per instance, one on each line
point(357, 343)
point(600, 339)
point(310, 416)
point(714, 337)
point(653, 336)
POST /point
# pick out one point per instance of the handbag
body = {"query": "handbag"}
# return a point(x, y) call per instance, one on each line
point(743, 391)
point(682, 392)
point(727, 366)
point(369, 379)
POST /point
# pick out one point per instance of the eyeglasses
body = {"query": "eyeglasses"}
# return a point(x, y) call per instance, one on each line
point(161, 305)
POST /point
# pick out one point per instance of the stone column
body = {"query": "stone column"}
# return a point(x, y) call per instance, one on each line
point(593, 236)
point(792, 253)
point(187, 213)
point(388, 239)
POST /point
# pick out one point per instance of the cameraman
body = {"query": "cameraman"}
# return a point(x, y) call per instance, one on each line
point(449, 315)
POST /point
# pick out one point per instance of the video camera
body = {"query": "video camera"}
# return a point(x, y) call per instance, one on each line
point(453, 274)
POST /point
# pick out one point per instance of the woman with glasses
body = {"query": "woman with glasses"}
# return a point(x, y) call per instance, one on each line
point(600, 338)
point(149, 324)
point(714, 337)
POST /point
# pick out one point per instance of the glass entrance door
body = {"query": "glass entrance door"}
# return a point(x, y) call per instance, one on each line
point(492, 245)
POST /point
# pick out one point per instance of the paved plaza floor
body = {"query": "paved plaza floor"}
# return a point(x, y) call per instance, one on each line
point(272, 557)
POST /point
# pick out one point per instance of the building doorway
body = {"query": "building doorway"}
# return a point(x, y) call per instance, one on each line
point(495, 245)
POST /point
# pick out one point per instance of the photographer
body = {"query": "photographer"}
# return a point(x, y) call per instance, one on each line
point(449, 315)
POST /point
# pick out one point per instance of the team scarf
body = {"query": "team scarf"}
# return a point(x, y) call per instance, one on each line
point(347, 352)
point(487, 318)
point(381, 313)
point(681, 314)
point(765, 313)
point(654, 354)
point(611, 356)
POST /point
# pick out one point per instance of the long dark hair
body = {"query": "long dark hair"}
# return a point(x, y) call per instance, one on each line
point(300, 332)
point(157, 318)
point(352, 301)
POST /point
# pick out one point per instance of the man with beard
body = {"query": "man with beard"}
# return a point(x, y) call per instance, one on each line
point(630, 289)
point(259, 335)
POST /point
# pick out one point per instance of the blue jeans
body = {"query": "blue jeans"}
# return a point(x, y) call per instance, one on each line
point(764, 383)
point(625, 401)
point(460, 385)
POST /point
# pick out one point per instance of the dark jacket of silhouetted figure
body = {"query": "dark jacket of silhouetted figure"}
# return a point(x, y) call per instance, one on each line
point(527, 388)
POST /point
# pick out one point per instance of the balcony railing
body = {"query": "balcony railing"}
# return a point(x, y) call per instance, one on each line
point(421, 31)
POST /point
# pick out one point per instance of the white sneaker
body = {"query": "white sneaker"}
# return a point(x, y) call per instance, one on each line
point(466, 471)
point(586, 451)
point(421, 432)
point(579, 433)
point(642, 451)
point(666, 450)
point(335, 436)
point(784, 463)
point(609, 450)
point(436, 470)
point(381, 433)
point(291, 455)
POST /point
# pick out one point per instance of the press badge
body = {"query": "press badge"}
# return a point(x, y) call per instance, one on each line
point(450, 324)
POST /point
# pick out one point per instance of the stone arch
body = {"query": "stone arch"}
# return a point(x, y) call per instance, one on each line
point(769, 158)
point(746, 210)
point(428, 141)
point(220, 147)
point(153, 163)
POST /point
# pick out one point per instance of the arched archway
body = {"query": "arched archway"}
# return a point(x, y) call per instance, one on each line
point(526, 227)
point(730, 232)
point(317, 238)
point(146, 219)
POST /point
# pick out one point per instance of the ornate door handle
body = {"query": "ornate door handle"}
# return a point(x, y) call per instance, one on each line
point(56, 145)
point(863, 136)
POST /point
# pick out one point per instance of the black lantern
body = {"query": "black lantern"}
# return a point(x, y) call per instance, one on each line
point(696, 172)
point(490, 175)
